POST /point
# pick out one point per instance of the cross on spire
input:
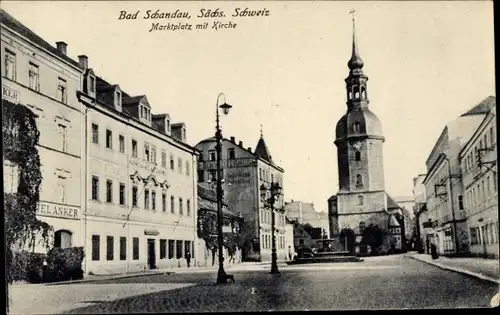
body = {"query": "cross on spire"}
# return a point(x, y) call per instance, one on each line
point(355, 62)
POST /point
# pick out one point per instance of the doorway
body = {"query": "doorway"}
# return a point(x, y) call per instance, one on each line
point(151, 254)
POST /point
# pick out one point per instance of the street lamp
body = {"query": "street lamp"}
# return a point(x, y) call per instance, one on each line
point(221, 274)
point(275, 193)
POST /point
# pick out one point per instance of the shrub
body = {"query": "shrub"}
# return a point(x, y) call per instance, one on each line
point(27, 266)
point(64, 264)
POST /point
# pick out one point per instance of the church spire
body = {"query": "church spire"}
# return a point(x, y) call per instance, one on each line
point(355, 62)
point(356, 81)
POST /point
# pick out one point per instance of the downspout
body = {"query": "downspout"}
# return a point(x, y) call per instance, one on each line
point(194, 210)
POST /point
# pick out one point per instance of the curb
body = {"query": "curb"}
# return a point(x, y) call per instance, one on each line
point(458, 270)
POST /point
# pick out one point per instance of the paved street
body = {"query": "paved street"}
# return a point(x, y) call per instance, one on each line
point(377, 283)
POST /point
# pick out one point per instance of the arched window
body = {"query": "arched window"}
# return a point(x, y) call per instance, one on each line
point(355, 127)
point(62, 239)
point(359, 180)
point(363, 93)
point(358, 156)
point(361, 200)
point(361, 227)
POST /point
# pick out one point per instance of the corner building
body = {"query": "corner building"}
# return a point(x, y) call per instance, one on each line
point(141, 192)
point(361, 199)
point(43, 78)
point(244, 172)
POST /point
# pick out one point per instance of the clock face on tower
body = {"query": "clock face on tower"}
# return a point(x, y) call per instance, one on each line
point(356, 145)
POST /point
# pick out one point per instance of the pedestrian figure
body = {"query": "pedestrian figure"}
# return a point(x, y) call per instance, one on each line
point(214, 250)
point(290, 253)
point(434, 253)
point(427, 248)
point(188, 258)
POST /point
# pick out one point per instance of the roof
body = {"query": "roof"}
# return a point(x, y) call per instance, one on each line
point(483, 107)
point(306, 212)
point(393, 222)
point(369, 124)
point(391, 204)
point(403, 199)
point(262, 151)
point(9, 21)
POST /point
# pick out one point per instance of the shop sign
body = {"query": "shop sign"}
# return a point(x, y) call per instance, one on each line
point(10, 94)
point(57, 210)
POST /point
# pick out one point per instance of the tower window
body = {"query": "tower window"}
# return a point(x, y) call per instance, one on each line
point(358, 156)
point(361, 227)
point(361, 200)
point(359, 180)
point(355, 127)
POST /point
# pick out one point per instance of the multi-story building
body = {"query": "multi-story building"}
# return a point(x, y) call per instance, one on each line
point(445, 225)
point(141, 192)
point(480, 198)
point(304, 212)
point(406, 204)
point(245, 171)
point(420, 204)
point(43, 78)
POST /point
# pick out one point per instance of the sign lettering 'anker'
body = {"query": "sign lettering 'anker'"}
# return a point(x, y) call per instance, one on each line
point(57, 210)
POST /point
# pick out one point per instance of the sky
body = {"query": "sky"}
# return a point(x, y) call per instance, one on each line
point(427, 63)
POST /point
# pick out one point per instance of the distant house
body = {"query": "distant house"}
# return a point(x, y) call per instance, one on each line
point(304, 212)
point(301, 238)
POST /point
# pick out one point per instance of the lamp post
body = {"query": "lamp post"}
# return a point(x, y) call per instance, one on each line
point(221, 274)
point(275, 192)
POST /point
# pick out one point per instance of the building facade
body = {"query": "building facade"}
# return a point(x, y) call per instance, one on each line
point(304, 212)
point(245, 171)
point(43, 78)
point(361, 199)
point(141, 192)
point(445, 224)
point(480, 198)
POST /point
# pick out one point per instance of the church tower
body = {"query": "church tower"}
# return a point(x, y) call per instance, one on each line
point(361, 199)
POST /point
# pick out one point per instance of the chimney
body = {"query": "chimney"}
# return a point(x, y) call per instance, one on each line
point(249, 149)
point(83, 61)
point(240, 143)
point(233, 140)
point(61, 46)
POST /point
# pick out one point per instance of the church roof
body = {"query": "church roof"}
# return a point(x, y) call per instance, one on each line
point(262, 151)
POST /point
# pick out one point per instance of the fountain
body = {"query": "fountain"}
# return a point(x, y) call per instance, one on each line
point(325, 251)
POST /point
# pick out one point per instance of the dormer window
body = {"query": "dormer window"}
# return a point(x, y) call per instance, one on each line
point(118, 100)
point(145, 113)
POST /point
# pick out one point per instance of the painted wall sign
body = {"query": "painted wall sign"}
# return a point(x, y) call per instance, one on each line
point(10, 94)
point(57, 210)
point(233, 163)
point(146, 166)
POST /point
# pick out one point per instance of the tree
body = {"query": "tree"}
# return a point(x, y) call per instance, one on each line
point(348, 238)
point(21, 227)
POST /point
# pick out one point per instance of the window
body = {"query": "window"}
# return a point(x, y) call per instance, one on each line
point(134, 148)
point(361, 200)
point(187, 248)
point(201, 176)
point(62, 93)
point(179, 165)
point(172, 163)
point(121, 140)
point(95, 247)
point(135, 249)
point(10, 65)
point(110, 248)
point(359, 180)
point(164, 202)
point(134, 196)
point(355, 127)
point(230, 153)
point(201, 157)
point(460, 202)
point(64, 140)
point(34, 82)
point(109, 191)
point(178, 249)
point(163, 249)
point(181, 210)
point(61, 188)
point(164, 159)
point(172, 204)
point(153, 154)
point(171, 249)
point(146, 152)
point(187, 168)
point(95, 188)
point(122, 193)
point(213, 176)
point(92, 85)
point(123, 248)
point(212, 155)
point(153, 200)
point(492, 136)
point(358, 156)
point(95, 133)
point(485, 140)
point(361, 227)
point(188, 207)
point(146, 199)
